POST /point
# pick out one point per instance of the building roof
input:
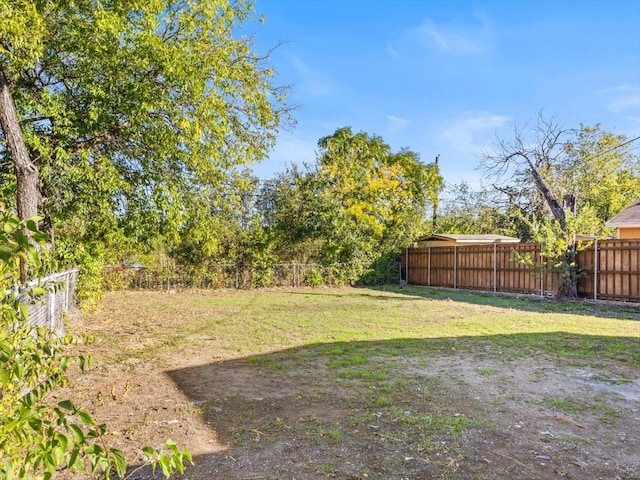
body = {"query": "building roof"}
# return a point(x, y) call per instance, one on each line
point(629, 217)
point(471, 239)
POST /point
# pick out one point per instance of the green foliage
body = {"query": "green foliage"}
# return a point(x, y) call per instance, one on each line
point(314, 278)
point(376, 200)
point(291, 211)
point(134, 113)
point(601, 172)
point(91, 263)
point(559, 250)
point(359, 203)
point(38, 438)
point(467, 211)
point(19, 242)
point(383, 270)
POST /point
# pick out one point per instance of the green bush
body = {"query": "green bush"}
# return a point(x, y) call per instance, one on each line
point(314, 278)
point(90, 262)
point(37, 439)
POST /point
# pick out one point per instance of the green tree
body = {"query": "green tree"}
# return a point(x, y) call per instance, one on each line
point(567, 183)
point(379, 198)
point(359, 203)
point(468, 211)
point(126, 109)
point(224, 231)
point(290, 209)
point(602, 175)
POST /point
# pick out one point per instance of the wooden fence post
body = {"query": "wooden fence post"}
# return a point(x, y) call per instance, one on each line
point(543, 274)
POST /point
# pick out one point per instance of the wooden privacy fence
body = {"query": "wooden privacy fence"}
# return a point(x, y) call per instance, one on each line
point(611, 269)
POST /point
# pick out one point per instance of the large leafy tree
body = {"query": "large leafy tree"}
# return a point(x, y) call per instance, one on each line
point(567, 183)
point(117, 111)
point(358, 203)
point(379, 199)
point(601, 173)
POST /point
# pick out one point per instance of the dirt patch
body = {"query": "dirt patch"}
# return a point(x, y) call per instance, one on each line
point(321, 411)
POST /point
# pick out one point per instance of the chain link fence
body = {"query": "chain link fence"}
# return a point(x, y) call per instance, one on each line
point(48, 310)
point(223, 276)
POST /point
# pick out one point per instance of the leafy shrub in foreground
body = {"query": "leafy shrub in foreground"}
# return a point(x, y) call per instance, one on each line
point(38, 439)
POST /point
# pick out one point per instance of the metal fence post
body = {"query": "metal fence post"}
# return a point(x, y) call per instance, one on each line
point(51, 296)
point(406, 265)
point(66, 291)
point(455, 266)
point(595, 270)
point(495, 267)
point(542, 274)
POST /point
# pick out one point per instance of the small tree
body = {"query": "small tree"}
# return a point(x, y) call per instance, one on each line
point(37, 438)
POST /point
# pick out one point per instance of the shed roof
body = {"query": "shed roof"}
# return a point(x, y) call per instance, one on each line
point(629, 217)
point(471, 239)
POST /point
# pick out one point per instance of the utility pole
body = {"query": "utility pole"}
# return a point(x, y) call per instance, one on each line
point(435, 204)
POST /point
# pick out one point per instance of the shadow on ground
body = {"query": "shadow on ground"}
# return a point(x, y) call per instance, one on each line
point(528, 303)
point(509, 406)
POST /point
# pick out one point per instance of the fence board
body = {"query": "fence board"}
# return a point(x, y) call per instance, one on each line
point(475, 267)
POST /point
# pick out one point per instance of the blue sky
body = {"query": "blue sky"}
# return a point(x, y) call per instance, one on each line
point(446, 77)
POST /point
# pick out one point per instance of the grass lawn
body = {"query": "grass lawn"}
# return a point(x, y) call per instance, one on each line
point(394, 382)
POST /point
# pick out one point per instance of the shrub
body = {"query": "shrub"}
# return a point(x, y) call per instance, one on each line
point(37, 438)
point(314, 278)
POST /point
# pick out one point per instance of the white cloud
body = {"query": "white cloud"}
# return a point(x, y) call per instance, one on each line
point(473, 133)
point(290, 150)
point(397, 123)
point(457, 40)
point(623, 98)
point(311, 80)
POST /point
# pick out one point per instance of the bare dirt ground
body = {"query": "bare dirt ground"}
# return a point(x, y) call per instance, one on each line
point(458, 410)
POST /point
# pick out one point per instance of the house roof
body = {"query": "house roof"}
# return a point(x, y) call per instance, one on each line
point(473, 239)
point(629, 217)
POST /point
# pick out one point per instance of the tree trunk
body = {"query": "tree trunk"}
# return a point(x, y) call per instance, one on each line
point(27, 194)
point(552, 202)
point(25, 170)
point(569, 275)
